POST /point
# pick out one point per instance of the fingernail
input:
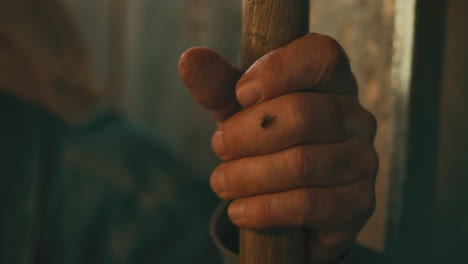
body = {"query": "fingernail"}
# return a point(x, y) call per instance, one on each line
point(218, 143)
point(218, 182)
point(237, 210)
point(248, 95)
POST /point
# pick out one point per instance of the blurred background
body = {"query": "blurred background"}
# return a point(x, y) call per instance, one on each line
point(135, 46)
point(410, 65)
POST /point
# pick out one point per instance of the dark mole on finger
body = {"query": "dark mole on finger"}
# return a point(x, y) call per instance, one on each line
point(267, 120)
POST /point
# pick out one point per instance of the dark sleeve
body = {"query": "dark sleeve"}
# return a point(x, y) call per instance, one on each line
point(224, 234)
point(29, 142)
point(123, 198)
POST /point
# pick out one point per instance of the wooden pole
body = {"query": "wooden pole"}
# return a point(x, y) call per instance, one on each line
point(268, 25)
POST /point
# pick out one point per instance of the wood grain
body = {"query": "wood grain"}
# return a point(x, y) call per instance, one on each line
point(268, 25)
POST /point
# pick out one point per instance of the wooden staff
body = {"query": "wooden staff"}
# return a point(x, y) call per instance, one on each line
point(268, 25)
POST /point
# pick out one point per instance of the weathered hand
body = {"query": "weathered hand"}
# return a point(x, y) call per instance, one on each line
point(300, 150)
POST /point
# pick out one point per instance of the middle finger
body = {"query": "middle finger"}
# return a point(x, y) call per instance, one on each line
point(301, 166)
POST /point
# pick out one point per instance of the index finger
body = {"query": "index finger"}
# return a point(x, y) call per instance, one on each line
point(313, 62)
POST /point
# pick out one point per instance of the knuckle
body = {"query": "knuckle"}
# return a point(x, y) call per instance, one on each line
point(333, 117)
point(264, 212)
point(314, 114)
point(362, 123)
point(370, 122)
point(298, 113)
point(367, 205)
point(310, 205)
point(342, 162)
point(333, 105)
point(333, 51)
point(366, 198)
point(374, 162)
point(370, 161)
point(370, 207)
point(300, 164)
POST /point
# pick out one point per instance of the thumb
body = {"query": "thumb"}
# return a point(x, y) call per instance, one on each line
point(211, 80)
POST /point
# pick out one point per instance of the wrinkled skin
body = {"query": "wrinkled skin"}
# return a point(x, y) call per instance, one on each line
point(313, 164)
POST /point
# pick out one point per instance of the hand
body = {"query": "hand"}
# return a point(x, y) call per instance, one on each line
point(299, 152)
